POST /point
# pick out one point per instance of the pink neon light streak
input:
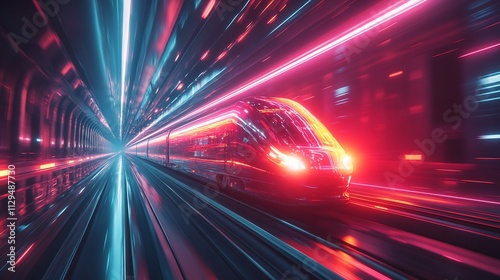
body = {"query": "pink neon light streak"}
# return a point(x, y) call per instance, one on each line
point(480, 50)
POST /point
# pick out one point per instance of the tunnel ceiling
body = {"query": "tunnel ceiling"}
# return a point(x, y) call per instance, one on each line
point(181, 54)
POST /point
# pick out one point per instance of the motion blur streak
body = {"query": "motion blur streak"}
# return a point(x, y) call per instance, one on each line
point(390, 13)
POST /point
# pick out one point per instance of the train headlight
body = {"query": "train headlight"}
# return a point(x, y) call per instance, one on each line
point(291, 162)
point(347, 162)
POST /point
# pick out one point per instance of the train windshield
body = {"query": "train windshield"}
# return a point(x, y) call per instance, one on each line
point(293, 125)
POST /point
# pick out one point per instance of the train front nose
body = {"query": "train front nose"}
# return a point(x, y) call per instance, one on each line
point(329, 174)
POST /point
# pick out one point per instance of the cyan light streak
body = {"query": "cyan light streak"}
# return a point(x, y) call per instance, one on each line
point(489, 137)
point(125, 48)
point(237, 15)
point(290, 17)
point(491, 79)
point(99, 37)
point(116, 257)
point(163, 60)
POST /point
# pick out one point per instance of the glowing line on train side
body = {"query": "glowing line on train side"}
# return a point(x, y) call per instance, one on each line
point(313, 53)
point(125, 49)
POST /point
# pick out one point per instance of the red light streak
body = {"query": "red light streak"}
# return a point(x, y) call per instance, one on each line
point(395, 74)
point(385, 42)
point(479, 182)
point(257, 5)
point(47, 165)
point(47, 40)
point(180, 86)
point(240, 18)
point(66, 68)
point(380, 207)
point(222, 55)
point(242, 36)
point(205, 55)
point(448, 170)
point(25, 253)
point(480, 50)
point(272, 19)
point(486, 158)
point(491, 25)
point(443, 53)
point(71, 161)
point(270, 2)
point(208, 9)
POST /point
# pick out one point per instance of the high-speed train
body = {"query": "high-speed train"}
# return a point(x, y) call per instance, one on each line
point(270, 147)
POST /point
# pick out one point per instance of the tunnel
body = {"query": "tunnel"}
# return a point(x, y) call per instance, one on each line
point(250, 139)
